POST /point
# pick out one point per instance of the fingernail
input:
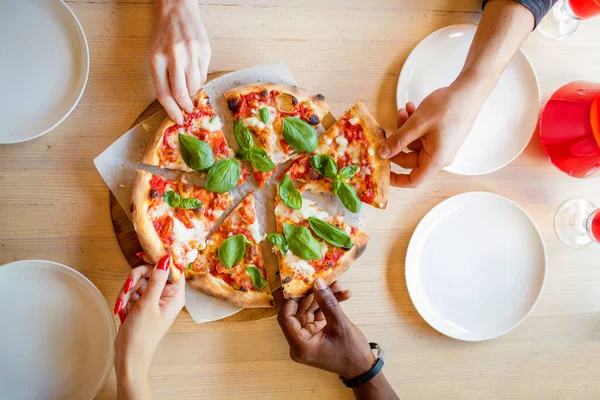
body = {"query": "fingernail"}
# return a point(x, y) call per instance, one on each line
point(118, 306)
point(163, 264)
point(128, 284)
point(320, 284)
point(122, 316)
point(140, 254)
point(384, 151)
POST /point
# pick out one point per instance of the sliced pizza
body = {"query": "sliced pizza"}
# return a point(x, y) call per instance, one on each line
point(346, 162)
point(312, 243)
point(174, 218)
point(194, 146)
point(231, 267)
point(272, 122)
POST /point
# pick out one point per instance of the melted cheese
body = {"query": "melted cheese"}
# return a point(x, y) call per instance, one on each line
point(353, 121)
point(299, 265)
point(371, 152)
point(254, 230)
point(354, 153)
point(342, 143)
point(213, 126)
point(191, 255)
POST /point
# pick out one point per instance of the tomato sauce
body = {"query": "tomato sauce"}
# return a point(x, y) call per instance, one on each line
point(164, 228)
point(329, 260)
point(353, 133)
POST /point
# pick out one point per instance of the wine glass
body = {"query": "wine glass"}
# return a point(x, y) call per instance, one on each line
point(564, 18)
point(577, 222)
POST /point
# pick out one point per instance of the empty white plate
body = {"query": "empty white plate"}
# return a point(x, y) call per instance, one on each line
point(44, 64)
point(57, 335)
point(509, 116)
point(475, 266)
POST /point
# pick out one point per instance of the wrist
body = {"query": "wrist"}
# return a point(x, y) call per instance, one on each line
point(359, 365)
point(165, 6)
point(130, 369)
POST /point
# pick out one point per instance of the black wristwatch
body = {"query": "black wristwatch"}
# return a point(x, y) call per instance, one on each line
point(370, 374)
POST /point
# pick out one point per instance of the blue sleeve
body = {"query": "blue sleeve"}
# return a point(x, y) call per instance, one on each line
point(538, 8)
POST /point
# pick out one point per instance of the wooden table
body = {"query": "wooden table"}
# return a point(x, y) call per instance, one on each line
point(54, 205)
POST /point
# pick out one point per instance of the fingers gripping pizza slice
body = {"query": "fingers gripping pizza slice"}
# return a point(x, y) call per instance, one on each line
point(196, 145)
point(231, 267)
point(174, 218)
point(272, 122)
point(310, 244)
point(346, 162)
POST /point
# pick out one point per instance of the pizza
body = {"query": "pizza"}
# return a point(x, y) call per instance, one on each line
point(231, 267)
point(174, 218)
point(202, 124)
point(311, 243)
point(280, 120)
point(357, 172)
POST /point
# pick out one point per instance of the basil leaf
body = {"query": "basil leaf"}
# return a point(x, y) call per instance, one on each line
point(223, 176)
point(348, 172)
point(349, 198)
point(277, 240)
point(243, 154)
point(289, 194)
point(324, 164)
point(190, 203)
point(196, 153)
point(330, 233)
point(257, 279)
point(232, 250)
point(265, 115)
point(242, 136)
point(300, 135)
point(189, 266)
point(301, 242)
point(210, 121)
point(336, 185)
point(259, 160)
point(172, 198)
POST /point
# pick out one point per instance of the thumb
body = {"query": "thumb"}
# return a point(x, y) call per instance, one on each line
point(158, 280)
point(328, 304)
point(410, 131)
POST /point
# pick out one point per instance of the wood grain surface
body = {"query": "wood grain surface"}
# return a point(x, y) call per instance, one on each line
point(54, 205)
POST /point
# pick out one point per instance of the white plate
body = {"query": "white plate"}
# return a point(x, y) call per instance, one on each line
point(57, 333)
point(44, 65)
point(475, 266)
point(509, 116)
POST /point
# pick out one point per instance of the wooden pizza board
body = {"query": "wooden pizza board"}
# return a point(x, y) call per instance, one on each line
point(130, 245)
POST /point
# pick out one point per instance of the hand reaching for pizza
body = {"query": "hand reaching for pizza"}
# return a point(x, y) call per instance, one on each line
point(147, 306)
point(322, 336)
point(180, 55)
point(434, 133)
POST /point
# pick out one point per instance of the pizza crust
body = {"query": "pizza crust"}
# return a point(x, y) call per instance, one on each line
point(147, 235)
point(298, 288)
point(206, 283)
point(381, 167)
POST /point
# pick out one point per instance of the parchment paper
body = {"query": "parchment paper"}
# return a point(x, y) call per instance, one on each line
point(118, 163)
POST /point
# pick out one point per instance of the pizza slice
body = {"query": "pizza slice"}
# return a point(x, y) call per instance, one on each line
point(174, 218)
point(311, 243)
point(346, 162)
point(231, 267)
point(272, 122)
point(194, 146)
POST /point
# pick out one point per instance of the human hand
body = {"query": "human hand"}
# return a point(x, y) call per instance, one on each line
point(434, 132)
point(180, 55)
point(322, 336)
point(147, 306)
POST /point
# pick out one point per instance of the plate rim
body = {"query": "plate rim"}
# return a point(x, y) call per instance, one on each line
point(411, 249)
point(95, 292)
point(84, 44)
point(530, 67)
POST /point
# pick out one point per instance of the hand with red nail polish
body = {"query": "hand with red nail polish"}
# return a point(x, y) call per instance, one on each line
point(147, 306)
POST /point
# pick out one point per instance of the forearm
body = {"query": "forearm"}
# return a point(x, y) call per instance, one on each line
point(133, 381)
point(377, 388)
point(161, 6)
point(503, 27)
